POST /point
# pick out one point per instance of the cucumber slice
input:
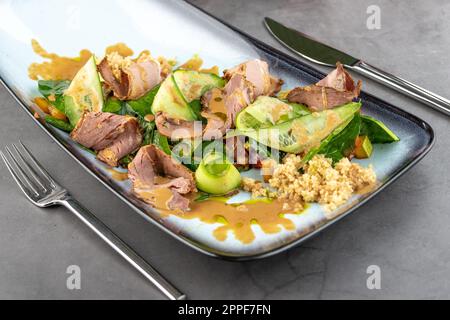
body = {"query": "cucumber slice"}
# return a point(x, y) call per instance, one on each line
point(216, 175)
point(299, 134)
point(170, 100)
point(268, 111)
point(84, 92)
point(180, 89)
point(193, 84)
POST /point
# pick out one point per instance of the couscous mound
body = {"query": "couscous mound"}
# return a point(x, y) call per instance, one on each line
point(318, 181)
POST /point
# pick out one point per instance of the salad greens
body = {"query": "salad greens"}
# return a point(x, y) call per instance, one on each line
point(377, 131)
point(268, 122)
point(113, 105)
point(60, 124)
point(143, 105)
point(53, 91)
point(340, 142)
point(161, 142)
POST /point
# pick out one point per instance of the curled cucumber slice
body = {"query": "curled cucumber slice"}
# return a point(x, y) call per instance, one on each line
point(216, 175)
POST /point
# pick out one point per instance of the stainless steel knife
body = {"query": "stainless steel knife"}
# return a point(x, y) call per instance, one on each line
point(320, 53)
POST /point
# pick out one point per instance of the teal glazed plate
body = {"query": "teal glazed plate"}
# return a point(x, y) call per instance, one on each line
point(177, 29)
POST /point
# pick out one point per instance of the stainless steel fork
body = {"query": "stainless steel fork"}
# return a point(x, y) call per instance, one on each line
point(43, 191)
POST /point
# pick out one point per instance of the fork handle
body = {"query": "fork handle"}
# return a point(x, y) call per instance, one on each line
point(123, 249)
point(410, 89)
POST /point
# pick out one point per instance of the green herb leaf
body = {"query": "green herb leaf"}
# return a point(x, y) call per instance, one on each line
point(125, 161)
point(196, 107)
point(56, 89)
point(113, 105)
point(143, 105)
point(339, 143)
point(376, 130)
point(161, 142)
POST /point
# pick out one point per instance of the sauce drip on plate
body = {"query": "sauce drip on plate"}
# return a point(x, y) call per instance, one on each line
point(121, 48)
point(118, 175)
point(237, 218)
point(58, 67)
point(65, 68)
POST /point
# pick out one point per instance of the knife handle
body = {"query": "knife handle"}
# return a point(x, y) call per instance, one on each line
point(410, 89)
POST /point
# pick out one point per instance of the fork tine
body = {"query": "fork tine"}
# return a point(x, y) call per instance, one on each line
point(16, 177)
point(24, 175)
point(37, 165)
point(33, 172)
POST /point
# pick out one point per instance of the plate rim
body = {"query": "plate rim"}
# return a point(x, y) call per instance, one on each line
point(198, 246)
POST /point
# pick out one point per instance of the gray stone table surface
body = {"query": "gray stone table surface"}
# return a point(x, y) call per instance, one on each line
point(405, 230)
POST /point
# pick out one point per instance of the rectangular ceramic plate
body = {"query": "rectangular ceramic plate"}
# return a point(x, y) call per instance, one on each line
point(177, 29)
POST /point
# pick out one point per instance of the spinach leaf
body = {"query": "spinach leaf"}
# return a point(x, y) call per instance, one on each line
point(161, 142)
point(143, 105)
point(376, 130)
point(48, 87)
point(147, 127)
point(196, 107)
point(113, 105)
point(125, 161)
point(53, 91)
point(339, 143)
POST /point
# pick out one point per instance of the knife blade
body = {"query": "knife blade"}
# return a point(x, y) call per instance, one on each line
point(320, 53)
point(308, 47)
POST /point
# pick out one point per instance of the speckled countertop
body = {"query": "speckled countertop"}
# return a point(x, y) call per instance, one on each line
point(405, 230)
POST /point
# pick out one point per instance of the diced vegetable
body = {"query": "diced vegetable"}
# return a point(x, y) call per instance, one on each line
point(84, 92)
point(43, 104)
point(299, 134)
point(55, 113)
point(60, 124)
point(363, 147)
point(216, 175)
point(377, 130)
